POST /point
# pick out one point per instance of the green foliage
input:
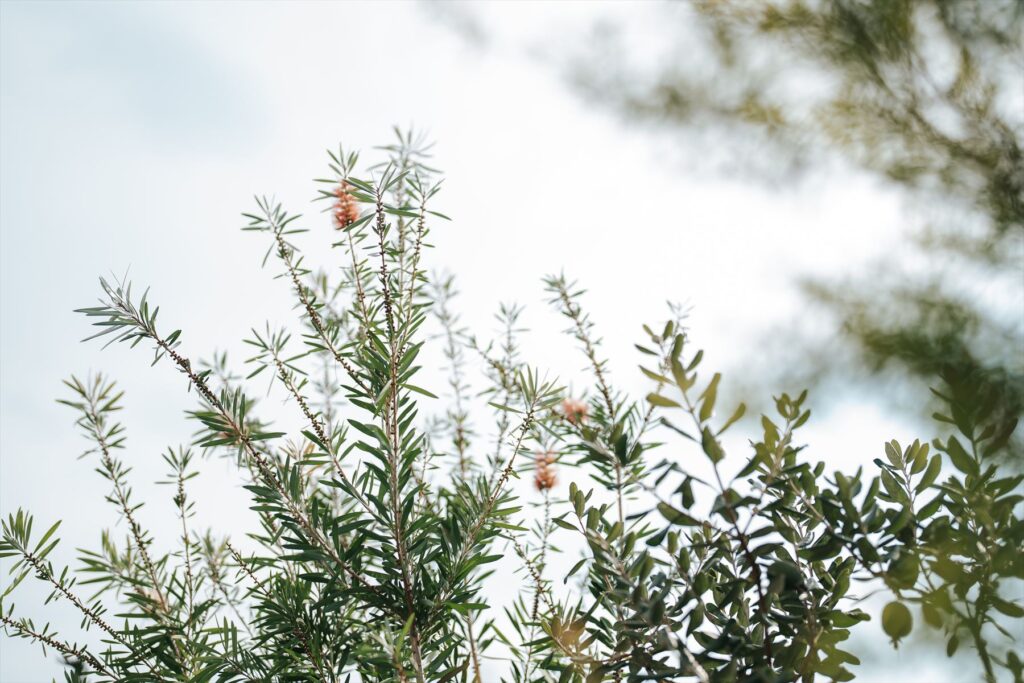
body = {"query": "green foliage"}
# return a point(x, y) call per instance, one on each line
point(379, 526)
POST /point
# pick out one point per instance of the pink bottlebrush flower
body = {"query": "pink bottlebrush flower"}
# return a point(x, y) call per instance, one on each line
point(346, 209)
point(545, 478)
point(574, 411)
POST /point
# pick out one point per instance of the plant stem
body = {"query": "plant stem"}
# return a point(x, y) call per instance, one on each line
point(69, 651)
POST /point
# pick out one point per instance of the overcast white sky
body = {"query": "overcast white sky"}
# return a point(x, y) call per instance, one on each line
point(133, 135)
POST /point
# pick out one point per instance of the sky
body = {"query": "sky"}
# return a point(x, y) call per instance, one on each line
point(133, 135)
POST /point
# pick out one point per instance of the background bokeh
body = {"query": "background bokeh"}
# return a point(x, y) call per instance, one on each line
point(132, 136)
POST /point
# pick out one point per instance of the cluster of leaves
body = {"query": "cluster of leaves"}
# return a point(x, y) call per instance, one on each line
point(378, 528)
point(756, 583)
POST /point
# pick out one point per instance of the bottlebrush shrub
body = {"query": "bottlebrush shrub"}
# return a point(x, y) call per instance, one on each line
point(378, 527)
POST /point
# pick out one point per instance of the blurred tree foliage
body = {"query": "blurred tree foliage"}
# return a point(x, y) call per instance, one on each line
point(927, 94)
